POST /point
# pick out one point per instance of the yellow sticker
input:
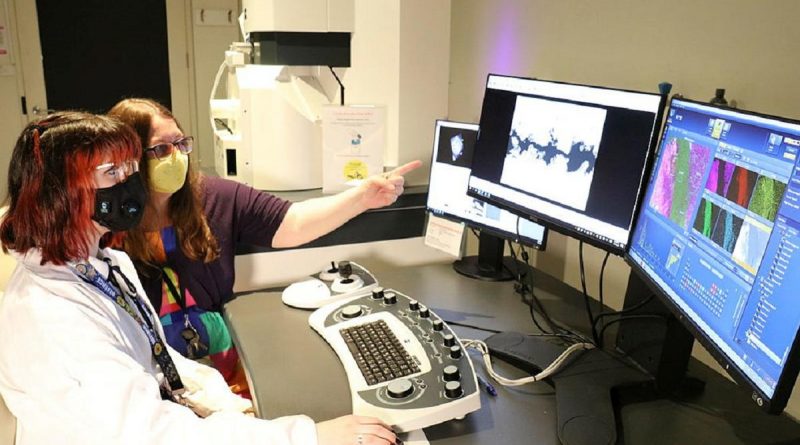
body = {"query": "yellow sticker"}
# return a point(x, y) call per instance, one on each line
point(355, 169)
point(157, 349)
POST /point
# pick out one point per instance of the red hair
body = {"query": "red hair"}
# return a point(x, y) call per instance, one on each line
point(52, 192)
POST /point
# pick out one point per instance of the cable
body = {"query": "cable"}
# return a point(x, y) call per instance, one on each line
point(475, 232)
point(495, 331)
point(621, 313)
point(534, 299)
point(469, 326)
point(556, 330)
point(602, 299)
point(217, 77)
point(223, 124)
point(341, 85)
point(602, 273)
point(553, 368)
point(586, 294)
point(522, 288)
point(630, 317)
point(633, 308)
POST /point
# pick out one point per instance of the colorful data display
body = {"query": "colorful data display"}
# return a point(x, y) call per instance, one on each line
point(720, 230)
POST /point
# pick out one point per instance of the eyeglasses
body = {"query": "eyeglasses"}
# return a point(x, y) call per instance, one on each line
point(118, 172)
point(161, 151)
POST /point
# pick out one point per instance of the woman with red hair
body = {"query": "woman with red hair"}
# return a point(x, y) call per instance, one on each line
point(82, 355)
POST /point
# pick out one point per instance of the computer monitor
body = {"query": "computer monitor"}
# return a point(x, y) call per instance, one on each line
point(718, 237)
point(572, 157)
point(453, 150)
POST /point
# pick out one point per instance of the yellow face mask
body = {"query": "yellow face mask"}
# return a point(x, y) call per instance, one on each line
point(168, 175)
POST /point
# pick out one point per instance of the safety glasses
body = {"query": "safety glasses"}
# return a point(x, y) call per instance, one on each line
point(117, 172)
point(161, 151)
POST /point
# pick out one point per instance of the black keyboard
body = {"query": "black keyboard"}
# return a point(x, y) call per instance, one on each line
point(378, 353)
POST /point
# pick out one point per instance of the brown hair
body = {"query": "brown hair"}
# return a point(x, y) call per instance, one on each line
point(51, 184)
point(185, 209)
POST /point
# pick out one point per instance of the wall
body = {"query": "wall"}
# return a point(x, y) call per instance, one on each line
point(424, 38)
point(179, 22)
point(208, 41)
point(399, 59)
point(23, 76)
point(750, 48)
point(11, 118)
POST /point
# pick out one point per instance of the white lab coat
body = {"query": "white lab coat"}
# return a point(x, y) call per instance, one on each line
point(75, 368)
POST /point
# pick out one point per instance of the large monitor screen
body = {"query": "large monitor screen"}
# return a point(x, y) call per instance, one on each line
point(453, 150)
point(572, 157)
point(719, 235)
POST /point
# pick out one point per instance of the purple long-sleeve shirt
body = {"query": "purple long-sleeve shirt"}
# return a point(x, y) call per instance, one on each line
point(235, 213)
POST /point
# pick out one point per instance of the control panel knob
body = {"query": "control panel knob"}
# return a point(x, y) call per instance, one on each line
point(438, 325)
point(449, 340)
point(329, 274)
point(451, 373)
point(400, 389)
point(424, 312)
point(345, 269)
point(377, 293)
point(413, 305)
point(351, 311)
point(453, 390)
point(455, 351)
point(390, 298)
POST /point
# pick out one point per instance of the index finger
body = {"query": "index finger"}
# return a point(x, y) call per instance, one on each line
point(367, 420)
point(403, 169)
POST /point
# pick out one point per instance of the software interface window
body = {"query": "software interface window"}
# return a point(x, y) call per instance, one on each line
point(560, 153)
point(453, 148)
point(720, 230)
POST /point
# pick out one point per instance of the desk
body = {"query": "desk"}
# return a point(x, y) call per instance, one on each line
point(292, 369)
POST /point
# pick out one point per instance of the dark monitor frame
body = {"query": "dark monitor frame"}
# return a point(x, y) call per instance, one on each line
point(558, 226)
point(786, 382)
point(490, 263)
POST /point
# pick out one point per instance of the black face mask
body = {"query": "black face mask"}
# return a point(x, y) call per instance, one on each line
point(121, 206)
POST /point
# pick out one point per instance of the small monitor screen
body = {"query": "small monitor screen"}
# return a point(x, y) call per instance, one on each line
point(719, 235)
point(453, 150)
point(570, 156)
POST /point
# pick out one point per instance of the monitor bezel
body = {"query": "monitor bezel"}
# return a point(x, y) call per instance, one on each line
point(514, 237)
point(775, 404)
point(559, 226)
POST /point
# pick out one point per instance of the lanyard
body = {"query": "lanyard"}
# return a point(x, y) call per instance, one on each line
point(173, 289)
point(194, 346)
point(169, 243)
point(113, 291)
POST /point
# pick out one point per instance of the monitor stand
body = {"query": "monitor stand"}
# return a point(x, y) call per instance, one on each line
point(591, 382)
point(490, 264)
point(584, 389)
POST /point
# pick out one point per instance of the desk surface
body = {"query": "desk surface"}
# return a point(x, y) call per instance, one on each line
point(292, 370)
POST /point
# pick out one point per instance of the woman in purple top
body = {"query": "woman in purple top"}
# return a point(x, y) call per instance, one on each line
point(184, 249)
